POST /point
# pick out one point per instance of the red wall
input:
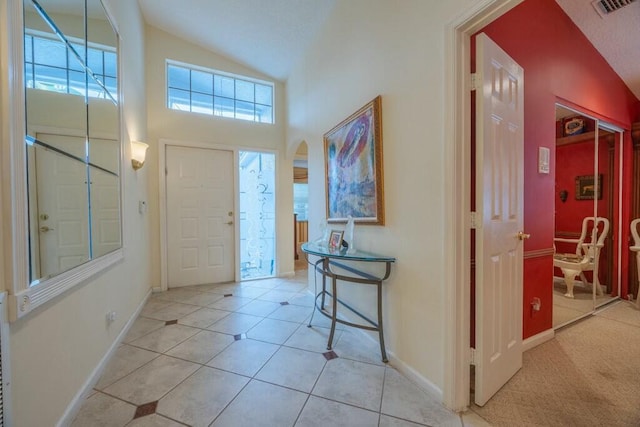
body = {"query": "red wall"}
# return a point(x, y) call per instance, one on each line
point(560, 65)
point(571, 161)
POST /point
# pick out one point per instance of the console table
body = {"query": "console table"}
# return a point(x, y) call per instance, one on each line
point(331, 260)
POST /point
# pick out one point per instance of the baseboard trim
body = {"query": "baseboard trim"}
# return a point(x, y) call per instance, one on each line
point(538, 339)
point(288, 274)
point(92, 380)
point(415, 377)
point(411, 374)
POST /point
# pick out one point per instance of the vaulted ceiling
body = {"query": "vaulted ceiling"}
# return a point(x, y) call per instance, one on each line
point(268, 36)
point(271, 36)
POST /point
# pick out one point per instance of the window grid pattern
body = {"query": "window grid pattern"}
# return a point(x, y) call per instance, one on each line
point(221, 95)
point(50, 65)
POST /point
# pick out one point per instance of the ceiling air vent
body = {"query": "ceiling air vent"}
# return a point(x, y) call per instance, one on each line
point(605, 7)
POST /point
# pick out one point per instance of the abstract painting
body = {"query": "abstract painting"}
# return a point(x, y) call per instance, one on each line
point(353, 153)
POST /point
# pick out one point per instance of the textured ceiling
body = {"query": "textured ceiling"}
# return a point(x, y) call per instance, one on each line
point(271, 36)
point(268, 36)
point(616, 36)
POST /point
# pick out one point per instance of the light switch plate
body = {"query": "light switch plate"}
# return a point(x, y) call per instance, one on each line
point(543, 160)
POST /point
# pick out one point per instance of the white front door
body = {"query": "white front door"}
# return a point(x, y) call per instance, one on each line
point(63, 200)
point(499, 205)
point(200, 216)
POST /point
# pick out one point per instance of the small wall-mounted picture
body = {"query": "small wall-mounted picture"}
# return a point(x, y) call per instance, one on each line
point(586, 187)
point(335, 239)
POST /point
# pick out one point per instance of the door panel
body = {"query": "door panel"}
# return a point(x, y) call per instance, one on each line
point(62, 204)
point(200, 226)
point(105, 196)
point(499, 250)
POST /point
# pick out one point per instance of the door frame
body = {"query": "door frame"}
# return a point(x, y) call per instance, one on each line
point(457, 100)
point(162, 167)
point(162, 192)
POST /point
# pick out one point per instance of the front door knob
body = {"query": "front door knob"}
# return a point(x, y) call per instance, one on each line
point(230, 223)
point(523, 236)
point(45, 229)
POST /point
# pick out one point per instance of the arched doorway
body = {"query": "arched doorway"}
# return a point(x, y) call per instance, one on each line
point(300, 203)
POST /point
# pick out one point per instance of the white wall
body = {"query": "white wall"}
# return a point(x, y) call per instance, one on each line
point(393, 49)
point(218, 131)
point(55, 348)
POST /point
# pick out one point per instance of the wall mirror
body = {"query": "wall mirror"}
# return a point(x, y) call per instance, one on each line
point(588, 185)
point(72, 135)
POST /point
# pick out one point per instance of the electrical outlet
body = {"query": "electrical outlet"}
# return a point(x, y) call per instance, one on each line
point(111, 316)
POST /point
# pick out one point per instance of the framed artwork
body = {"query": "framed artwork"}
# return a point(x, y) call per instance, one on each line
point(353, 167)
point(573, 126)
point(585, 187)
point(335, 239)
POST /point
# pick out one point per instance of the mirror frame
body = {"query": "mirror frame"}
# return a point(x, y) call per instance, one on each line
point(23, 297)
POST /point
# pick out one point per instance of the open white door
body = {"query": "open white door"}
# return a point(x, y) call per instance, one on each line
point(499, 205)
point(200, 218)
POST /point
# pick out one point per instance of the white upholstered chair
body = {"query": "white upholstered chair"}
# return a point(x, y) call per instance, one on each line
point(587, 254)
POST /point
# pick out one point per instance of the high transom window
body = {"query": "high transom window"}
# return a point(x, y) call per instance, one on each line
point(220, 94)
point(51, 65)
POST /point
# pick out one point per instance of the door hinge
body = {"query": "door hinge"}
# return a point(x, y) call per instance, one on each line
point(473, 219)
point(472, 356)
point(474, 81)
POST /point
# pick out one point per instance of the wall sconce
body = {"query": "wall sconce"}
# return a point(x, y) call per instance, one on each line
point(138, 154)
point(563, 195)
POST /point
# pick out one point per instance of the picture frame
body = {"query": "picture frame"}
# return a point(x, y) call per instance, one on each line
point(353, 167)
point(573, 126)
point(335, 239)
point(585, 187)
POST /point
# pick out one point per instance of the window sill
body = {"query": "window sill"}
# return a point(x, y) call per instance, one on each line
point(25, 301)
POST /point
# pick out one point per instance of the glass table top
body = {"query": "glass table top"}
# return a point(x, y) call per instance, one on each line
point(357, 255)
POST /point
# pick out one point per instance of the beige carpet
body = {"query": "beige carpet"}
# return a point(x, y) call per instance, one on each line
point(588, 375)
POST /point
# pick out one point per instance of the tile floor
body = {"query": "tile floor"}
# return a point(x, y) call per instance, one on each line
point(242, 355)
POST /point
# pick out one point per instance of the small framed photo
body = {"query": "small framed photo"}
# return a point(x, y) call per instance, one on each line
point(335, 239)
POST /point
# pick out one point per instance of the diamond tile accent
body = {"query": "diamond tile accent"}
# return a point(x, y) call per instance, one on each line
point(146, 409)
point(197, 358)
point(330, 355)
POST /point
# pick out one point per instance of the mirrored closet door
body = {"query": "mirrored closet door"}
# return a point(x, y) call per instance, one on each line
point(587, 183)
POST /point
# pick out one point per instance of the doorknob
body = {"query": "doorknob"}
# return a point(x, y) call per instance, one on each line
point(230, 223)
point(522, 236)
point(45, 229)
